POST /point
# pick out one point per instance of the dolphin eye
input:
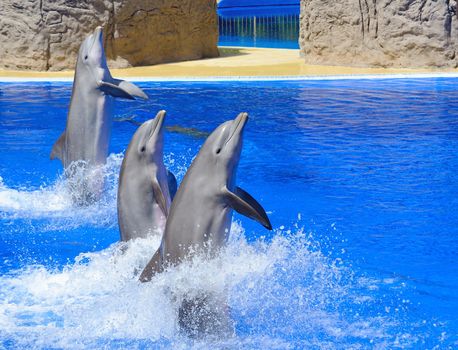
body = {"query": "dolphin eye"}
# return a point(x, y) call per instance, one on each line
point(143, 149)
point(218, 150)
point(85, 57)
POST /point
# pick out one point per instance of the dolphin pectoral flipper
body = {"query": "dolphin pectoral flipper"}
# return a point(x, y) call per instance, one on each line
point(154, 266)
point(242, 202)
point(172, 181)
point(58, 148)
point(114, 90)
point(159, 195)
point(130, 88)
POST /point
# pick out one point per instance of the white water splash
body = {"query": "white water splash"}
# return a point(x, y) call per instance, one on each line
point(47, 199)
point(282, 294)
point(55, 201)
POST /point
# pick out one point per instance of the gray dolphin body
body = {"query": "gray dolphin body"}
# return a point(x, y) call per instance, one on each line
point(144, 195)
point(200, 217)
point(87, 134)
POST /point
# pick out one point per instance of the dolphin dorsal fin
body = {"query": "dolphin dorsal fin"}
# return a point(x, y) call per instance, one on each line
point(154, 266)
point(242, 202)
point(58, 148)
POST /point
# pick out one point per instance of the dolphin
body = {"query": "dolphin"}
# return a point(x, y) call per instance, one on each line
point(144, 193)
point(200, 217)
point(87, 133)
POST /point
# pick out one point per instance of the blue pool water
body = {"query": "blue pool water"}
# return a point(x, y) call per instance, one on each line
point(358, 178)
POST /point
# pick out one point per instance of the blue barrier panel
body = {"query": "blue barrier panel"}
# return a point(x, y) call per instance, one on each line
point(267, 23)
point(262, 11)
point(237, 8)
point(265, 31)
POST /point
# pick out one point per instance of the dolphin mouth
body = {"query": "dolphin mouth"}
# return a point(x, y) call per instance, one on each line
point(97, 35)
point(157, 123)
point(239, 124)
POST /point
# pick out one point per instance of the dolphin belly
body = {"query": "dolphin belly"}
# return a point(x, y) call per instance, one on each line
point(139, 216)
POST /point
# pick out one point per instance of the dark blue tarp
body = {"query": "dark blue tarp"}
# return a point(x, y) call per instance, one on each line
point(256, 3)
point(248, 8)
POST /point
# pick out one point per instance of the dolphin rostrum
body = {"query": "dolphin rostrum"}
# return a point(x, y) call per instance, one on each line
point(87, 134)
point(200, 219)
point(144, 193)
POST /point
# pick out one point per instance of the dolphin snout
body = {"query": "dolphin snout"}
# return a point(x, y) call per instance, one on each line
point(157, 122)
point(239, 123)
point(241, 119)
point(97, 36)
point(160, 116)
point(237, 126)
point(98, 30)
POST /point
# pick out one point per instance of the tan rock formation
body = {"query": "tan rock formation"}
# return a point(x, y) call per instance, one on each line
point(384, 33)
point(46, 34)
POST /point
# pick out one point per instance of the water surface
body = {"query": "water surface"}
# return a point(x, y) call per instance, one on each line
point(358, 178)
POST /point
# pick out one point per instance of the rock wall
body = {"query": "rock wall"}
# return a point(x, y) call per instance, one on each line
point(46, 34)
point(385, 33)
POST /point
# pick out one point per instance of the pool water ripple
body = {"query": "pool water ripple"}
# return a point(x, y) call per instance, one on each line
point(359, 179)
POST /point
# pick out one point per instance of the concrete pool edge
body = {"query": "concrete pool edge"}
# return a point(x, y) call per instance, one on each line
point(246, 78)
